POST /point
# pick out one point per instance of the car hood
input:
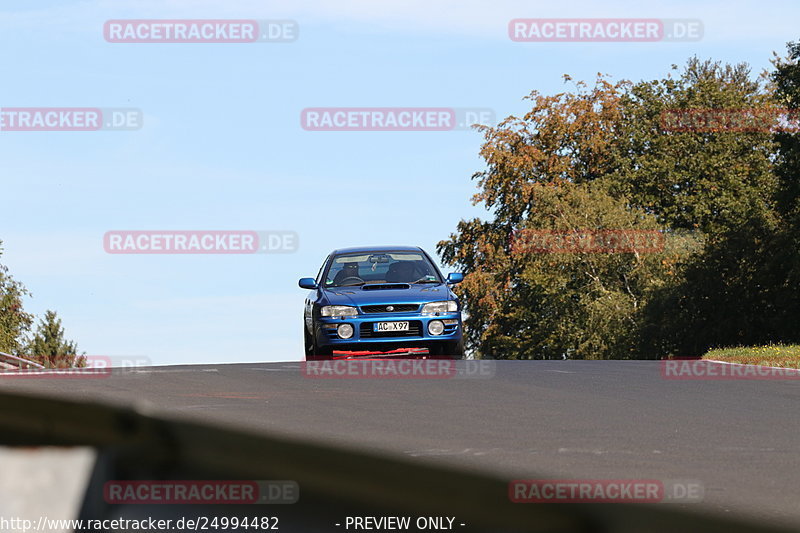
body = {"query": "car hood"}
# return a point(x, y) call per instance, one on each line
point(376, 296)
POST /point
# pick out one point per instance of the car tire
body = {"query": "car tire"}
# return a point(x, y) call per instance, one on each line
point(308, 342)
point(314, 352)
point(454, 349)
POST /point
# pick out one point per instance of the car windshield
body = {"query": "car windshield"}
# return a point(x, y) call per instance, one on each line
point(380, 267)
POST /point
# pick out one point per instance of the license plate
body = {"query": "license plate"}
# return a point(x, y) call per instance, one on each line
point(390, 326)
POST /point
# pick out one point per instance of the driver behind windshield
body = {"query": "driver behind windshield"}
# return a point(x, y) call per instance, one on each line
point(349, 270)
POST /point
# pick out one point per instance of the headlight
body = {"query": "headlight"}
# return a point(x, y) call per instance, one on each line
point(440, 308)
point(338, 310)
point(345, 331)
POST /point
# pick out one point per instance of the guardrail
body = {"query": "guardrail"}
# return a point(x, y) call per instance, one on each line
point(20, 360)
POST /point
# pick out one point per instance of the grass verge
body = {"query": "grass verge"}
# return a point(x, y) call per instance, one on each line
point(780, 355)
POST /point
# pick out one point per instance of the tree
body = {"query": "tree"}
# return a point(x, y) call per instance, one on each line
point(49, 348)
point(14, 321)
point(707, 180)
point(786, 78)
point(538, 303)
point(601, 158)
point(735, 292)
point(744, 289)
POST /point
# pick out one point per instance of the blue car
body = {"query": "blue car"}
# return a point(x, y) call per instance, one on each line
point(381, 299)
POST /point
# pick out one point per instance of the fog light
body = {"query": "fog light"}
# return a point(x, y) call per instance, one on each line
point(345, 331)
point(435, 327)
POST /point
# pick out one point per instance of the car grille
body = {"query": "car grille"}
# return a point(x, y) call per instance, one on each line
point(414, 330)
point(398, 308)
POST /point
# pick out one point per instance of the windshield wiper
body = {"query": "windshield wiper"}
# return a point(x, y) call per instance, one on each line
point(425, 280)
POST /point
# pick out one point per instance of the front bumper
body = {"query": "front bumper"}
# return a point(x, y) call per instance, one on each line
point(325, 329)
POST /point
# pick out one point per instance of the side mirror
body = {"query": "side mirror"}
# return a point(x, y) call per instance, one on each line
point(307, 283)
point(455, 277)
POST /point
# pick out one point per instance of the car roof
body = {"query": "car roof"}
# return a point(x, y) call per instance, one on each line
point(369, 249)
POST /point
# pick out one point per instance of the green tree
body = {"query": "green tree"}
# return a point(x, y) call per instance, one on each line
point(735, 292)
point(744, 289)
point(787, 81)
point(786, 78)
point(49, 348)
point(528, 303)
point(601, 157)
point(703, 180)
point(14, 321)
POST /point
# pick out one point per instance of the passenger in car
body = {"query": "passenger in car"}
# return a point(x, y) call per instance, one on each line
point(401, 272)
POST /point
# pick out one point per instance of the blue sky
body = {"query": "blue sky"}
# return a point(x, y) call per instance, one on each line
point(221, 147)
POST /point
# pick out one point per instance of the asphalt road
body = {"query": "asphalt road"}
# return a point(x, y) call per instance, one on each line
point(555, 419)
